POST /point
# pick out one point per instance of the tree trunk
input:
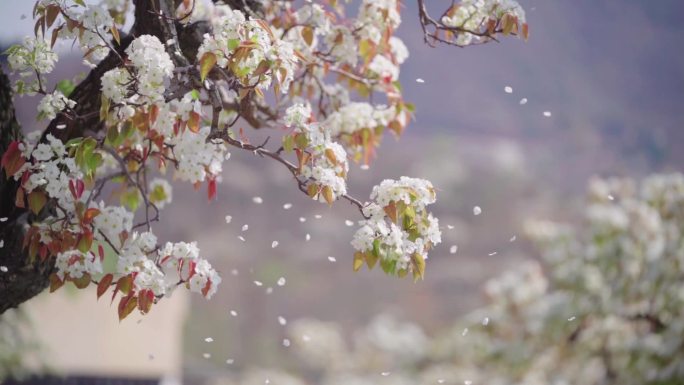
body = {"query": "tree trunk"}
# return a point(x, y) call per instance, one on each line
point(23, 279)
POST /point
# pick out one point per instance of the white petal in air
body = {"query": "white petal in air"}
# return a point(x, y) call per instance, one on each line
point(477, 210)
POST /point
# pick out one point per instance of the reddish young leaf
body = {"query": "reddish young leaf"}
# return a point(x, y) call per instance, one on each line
point(207, 62)
point(194, 122)
point(206, 288)
point(85, 242)
point(145, 301)
point(100, 252)
point(43, 252)
point(154, 113)
point(83, 281)
point(328, 195)
point(19, 198)
point(55, 282)
point(211, 189)
point(104, 284)
point(124, 284)
point(12, 160)
point(89, 215)
point(76, 187)
point(126, 306)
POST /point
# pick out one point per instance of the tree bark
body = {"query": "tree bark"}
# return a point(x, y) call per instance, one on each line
point(23, 278)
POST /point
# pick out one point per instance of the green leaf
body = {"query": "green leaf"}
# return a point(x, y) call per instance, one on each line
point(83, 281)
point(37, 200)
point(85, 242)
point(233, 44)
point(131, 199)
point(358, 260)
point(158, 194)
point(288, 143)
point(65, 86)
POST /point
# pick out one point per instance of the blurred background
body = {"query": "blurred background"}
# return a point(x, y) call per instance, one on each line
point(609, 73)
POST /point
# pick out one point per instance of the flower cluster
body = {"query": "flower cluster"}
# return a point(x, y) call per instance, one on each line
point(75, 265)
point(197, 158)
point(320, 159)
point(32, 58)
point(181, 263)
point(59, 176)
point(360, 125)
point(145, 81)
point(376, 18)
point(475, 16)
point(250, 50)
point(400, 231)
point(160, 192)
point(51, 104)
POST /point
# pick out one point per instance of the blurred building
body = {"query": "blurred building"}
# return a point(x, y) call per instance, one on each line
point(84, 342)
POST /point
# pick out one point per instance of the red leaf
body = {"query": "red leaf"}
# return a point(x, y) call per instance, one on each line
point(19, 198)
point(76, 188)
point(145, 301)
point(100, 252)
point(126, 306)
point(12, 159)
point(104, 284)
point(154, 113)
point(89, 215)
point(211, 189)
point(206, 288)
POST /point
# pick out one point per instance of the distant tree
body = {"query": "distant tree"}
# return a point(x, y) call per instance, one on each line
point(603, 306)
point(168, 98)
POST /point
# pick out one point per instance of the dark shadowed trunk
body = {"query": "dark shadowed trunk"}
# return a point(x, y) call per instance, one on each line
point(22, 279)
